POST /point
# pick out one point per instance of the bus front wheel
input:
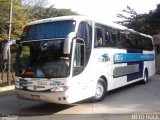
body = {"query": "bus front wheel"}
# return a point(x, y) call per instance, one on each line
point(101, 89)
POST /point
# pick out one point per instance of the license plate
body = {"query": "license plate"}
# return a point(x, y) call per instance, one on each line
point(35, 97)
point(42, 83)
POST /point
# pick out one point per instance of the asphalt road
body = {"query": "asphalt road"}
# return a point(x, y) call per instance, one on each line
point(121, 103)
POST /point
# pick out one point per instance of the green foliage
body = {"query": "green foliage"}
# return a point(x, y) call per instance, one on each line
point(145, 23)
point(25, 11)
point(39, 12)
point(20, 19)
point(4, 19)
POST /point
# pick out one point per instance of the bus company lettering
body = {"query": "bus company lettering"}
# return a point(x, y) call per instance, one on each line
point(103, 58)
point(118, 58)
point(56, 83)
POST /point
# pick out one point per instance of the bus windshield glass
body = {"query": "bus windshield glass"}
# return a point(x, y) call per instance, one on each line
point(56, 29)
point(42, 59)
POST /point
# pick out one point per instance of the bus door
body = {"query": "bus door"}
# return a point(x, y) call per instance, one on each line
point(79, 83)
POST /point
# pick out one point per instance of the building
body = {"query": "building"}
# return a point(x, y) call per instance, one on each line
point(156, 39)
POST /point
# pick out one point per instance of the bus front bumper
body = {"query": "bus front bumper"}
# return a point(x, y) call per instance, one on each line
point(52, 97)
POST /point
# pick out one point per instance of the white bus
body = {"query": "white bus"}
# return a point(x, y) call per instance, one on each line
point(68, 59)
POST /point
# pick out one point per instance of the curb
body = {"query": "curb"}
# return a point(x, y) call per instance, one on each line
point(7, 88)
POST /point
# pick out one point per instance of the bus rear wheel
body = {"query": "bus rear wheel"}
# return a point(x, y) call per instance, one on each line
point(145, 78)
point(101, 89)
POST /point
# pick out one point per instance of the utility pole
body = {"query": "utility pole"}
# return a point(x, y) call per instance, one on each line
point(10, 20)
point(9, 38)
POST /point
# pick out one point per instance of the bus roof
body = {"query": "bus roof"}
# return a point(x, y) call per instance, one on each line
point(61, 18)
point(82, 18)
point(77, 18)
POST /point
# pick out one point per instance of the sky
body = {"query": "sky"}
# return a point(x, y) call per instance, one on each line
point(104, 9)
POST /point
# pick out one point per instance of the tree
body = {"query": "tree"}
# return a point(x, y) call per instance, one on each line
point(146, 23)
point(20, 19)
point(4, 19)
point(30, 6)
point(25, 11)
point(131, 19)
point(153, 21)
point(41, 12)
point(127, 16)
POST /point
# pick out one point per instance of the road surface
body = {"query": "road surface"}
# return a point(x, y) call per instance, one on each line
point(120, 103)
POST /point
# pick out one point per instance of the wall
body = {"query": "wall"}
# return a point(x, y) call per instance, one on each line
point(156, 40)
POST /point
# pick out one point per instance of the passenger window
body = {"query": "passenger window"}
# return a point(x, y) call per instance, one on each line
point(106, 39)
point(114, 38)
point(101, 36)
point(126, 40)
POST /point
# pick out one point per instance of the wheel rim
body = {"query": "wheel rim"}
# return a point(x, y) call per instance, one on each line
point(145, 77)
point(99, 90)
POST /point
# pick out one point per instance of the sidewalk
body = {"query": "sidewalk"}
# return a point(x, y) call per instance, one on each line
point(7, 91)
point(7, 88)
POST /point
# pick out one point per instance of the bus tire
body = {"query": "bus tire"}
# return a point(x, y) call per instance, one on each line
point(145, 77)
point(101, 89)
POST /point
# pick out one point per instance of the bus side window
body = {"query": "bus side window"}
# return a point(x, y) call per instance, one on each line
point(98, 42)
point(119, 42)
point(106, 39)
point(101, 36)
point(114, 38)
point(78, 63)
point(126, 40)
point(85, 32)
point(122, 37)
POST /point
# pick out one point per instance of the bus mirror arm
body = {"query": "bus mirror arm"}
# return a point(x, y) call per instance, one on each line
point(6, 48)
point(68, 42)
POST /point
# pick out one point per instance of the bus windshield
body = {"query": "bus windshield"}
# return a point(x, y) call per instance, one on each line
point(42, 59)
point(56, 29)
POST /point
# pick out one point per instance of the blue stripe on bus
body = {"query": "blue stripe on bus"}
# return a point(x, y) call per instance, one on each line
point(136, 75)
point(132, 57)
point(139, 74)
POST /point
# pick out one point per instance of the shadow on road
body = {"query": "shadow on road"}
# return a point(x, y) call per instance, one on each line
point(11, 105)
point(113, 92)
point(43, 109)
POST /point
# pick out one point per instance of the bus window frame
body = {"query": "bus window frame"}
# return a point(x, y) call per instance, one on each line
point(76, 70)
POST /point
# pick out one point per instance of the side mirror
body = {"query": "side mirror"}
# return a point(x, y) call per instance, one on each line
point(6, 48)
point(67, 43)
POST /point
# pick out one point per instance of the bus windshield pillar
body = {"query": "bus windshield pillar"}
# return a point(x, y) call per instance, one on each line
point(67, 43)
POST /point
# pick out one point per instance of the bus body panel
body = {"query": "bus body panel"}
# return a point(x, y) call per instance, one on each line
point(118, 66)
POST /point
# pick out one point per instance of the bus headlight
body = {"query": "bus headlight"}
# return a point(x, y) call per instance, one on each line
point(60, 88)
point(18, 86)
